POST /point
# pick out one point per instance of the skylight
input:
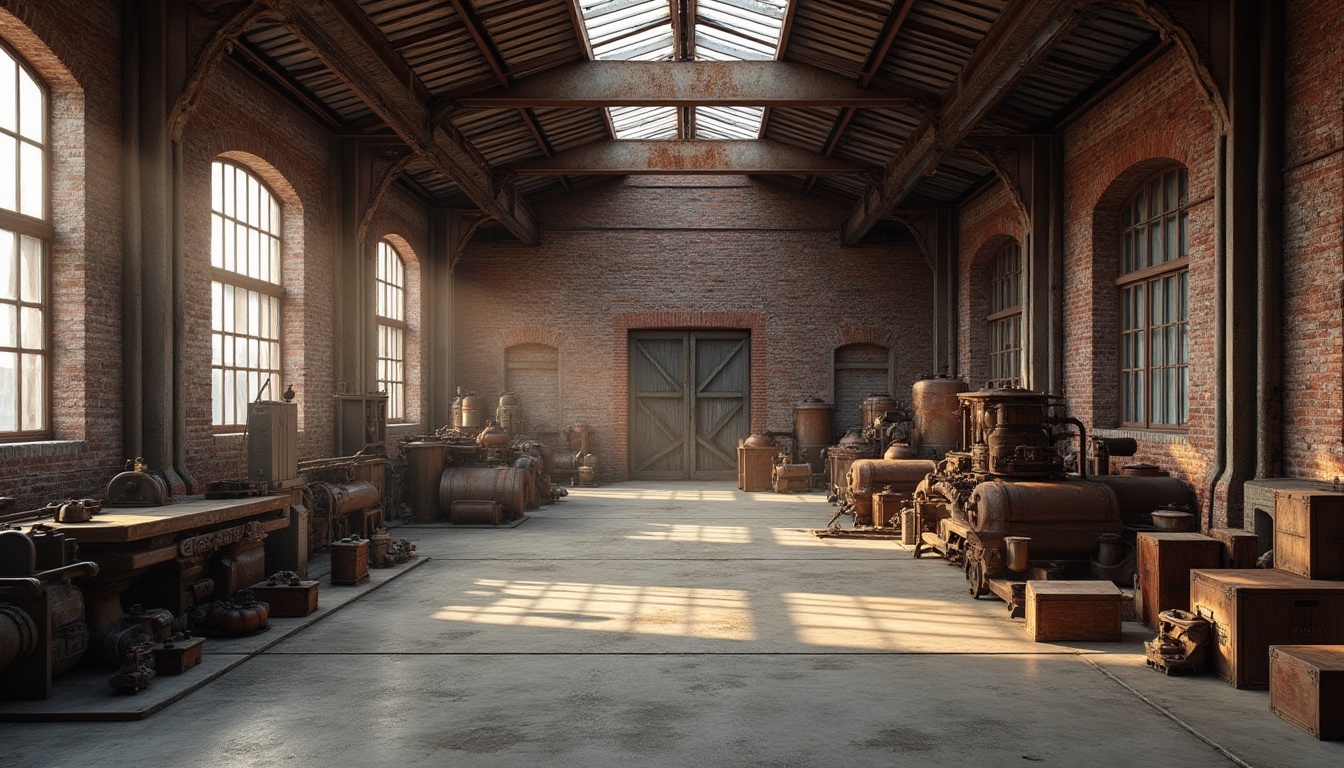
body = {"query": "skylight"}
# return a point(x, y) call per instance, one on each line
point(725, 30)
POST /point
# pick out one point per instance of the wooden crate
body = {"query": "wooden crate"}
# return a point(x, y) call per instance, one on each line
point(288, 601)
point(1165, 561)
point(754, 467)
point(1073, 610)
point(1240, 548)
point(1306, 688)
point(1309, 533)
point(178, 656)
point(349, 561)
point(1251, 610)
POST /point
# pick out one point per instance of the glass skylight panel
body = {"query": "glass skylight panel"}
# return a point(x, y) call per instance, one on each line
point(728, 122)
point(644, 122)
point(725, 30)
point(629, 29)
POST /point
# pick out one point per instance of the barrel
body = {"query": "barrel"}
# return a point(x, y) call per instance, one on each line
point(937, 413)
point(473, 412)
point(813, 431)
point(506, 485)
point(424, 466)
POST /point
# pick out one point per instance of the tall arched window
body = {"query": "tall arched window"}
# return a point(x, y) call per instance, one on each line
point(25, 229)
point(391, 321)
point(1154, 288)
point(246, 291)
point(1005, 318)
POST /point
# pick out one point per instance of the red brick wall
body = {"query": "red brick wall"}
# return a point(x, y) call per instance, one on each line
point(1156, 119)
point(75, 49)
point(1314, 241)
point(690, 253)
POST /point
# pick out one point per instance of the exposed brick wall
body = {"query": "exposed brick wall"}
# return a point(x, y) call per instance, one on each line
point(404, 222)
point(1157, 119)
point(75, 49)
point(689, 253)
point(1314, 241)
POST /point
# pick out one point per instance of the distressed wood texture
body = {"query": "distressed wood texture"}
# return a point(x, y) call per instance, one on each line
point(1073, 610)
point(1165, 562)
point(1309, 533)
point(1306, 688)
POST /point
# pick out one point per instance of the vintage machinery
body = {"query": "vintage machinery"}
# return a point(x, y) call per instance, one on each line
point(869, 476)
point(509, 414)
point(136, 487)
point(42, 622)
point(937, 419)
point(473, 412)
point(1004, 508)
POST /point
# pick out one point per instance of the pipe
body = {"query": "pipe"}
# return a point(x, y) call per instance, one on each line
point(1269, 271)
point(1082, 439)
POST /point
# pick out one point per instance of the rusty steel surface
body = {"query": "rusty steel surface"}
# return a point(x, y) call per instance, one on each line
point(507, 486)
point(937, 427)
point(736, 157)
point(686, 83)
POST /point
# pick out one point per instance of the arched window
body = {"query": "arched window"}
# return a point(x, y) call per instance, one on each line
point(1005, 318)
point(246, 291)
point(391, 321)
point(1154, 288)
point(25, 230)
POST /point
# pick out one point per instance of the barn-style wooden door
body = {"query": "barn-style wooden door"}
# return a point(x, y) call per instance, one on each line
point(689, 403)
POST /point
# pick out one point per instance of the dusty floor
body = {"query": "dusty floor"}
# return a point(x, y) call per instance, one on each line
point(683, 624)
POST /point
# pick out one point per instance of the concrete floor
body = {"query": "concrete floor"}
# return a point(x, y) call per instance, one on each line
point(683, 624)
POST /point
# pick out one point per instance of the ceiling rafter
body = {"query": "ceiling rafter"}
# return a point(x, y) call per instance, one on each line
point(1021, 39)
point(686, 84)
point(467, 13)
point(338, 32)
point(687, 156)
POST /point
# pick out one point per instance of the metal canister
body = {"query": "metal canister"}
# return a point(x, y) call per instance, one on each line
point(457, 409)
point(813, 431)
point(509, 414)
point(874, 405)
point(937, 427)
point(424, 466)
point(473, 411)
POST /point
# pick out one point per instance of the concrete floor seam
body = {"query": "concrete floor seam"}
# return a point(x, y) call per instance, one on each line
point(1220, 749)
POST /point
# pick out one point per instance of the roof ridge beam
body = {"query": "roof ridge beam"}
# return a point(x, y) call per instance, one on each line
point(687, 156)
point(687, 83)
point(1018, 42)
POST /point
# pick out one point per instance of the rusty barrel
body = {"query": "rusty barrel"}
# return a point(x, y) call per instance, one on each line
point(937, 412)
point(1062, 517)
point(506, 485)
point(813, 430)
point(473, 412)
point(867, 476)
point(353, 496)
point(873, 406)
point(424, 466)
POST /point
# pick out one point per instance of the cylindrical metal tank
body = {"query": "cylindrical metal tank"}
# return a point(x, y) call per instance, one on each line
point(1139, 495)
point(867, 476)
point(509, 414)
point(506, 485)
point(457, 409)
point(937, 427)
point(1062, 517)
point(473, 411)
point(874, 406)
point(424, 467)
point(813, 431)
point(353, 496)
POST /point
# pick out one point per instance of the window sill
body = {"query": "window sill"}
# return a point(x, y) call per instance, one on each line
point(40, 448)
point(1159, 436)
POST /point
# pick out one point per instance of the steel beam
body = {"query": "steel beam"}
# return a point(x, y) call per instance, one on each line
point(339, 34)
point(686, 157)
point(1024, 36)
point(685, 84)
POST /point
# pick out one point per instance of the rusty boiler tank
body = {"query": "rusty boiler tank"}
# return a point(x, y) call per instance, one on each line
point(867, 477)
point(509, 413)
point(937, 427)
point(813, 432)
point(473, 412)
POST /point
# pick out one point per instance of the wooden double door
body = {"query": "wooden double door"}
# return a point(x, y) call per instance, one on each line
point(689, 403)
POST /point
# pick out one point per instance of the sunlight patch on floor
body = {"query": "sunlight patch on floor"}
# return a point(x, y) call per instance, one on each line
point(802, 537)
point(709, 534)
point(654, 494)
point(879, 623)
point(717, 614)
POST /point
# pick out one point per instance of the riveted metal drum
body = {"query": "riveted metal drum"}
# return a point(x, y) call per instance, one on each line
point(508, 486)
point(473, 411)
point(424, 467)
point(937, 427)
point(812, 429)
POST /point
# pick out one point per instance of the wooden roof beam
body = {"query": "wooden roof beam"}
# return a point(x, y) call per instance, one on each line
point(339, 33)
point(685, 84)
point(611, 158)
point(1021, 38)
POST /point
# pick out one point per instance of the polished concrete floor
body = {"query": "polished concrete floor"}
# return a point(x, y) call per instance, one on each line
point(683, 624)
